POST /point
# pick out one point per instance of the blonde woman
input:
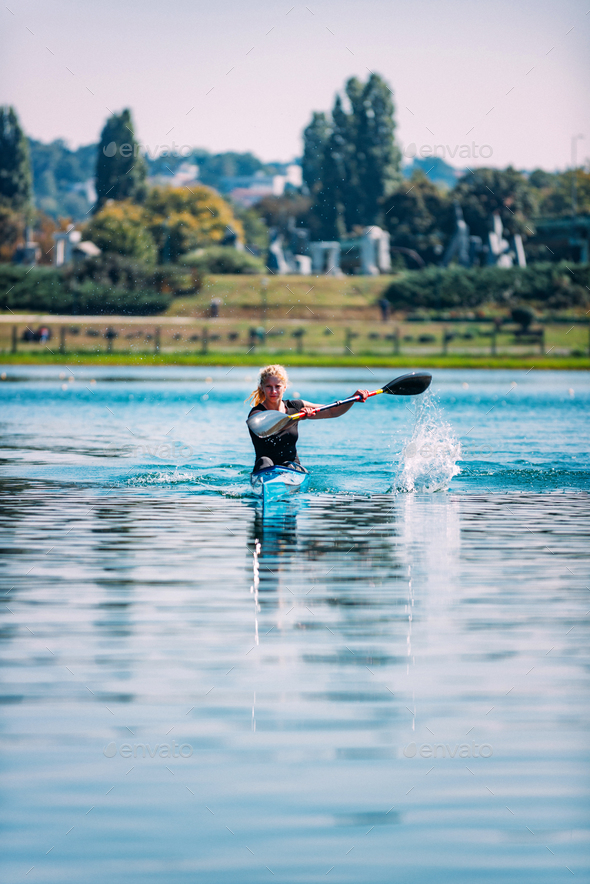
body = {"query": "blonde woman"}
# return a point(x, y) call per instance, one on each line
point(282, 449)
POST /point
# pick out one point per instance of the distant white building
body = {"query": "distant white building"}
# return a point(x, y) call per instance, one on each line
point(69, 247)
point(187, 173)
point(247, 190)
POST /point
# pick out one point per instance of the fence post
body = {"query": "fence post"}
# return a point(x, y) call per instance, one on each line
point(157, 340)
point(542, 341)
point(14, 339)
point(205, 340)
point(350, 335)
point(493, 340)
point(62, 339)
point(445, 341)
point(298, 335)
point(396, 341)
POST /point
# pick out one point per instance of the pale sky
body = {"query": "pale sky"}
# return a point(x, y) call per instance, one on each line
point(229, 75)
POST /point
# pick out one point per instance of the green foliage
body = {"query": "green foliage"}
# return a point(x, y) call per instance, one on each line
point(351, 163)
point(523, 316)
point(120, 168)
point(12, 227)
point(377, 155)
point(225, 165)
point(556, 286)
point(92, 300)
point(59, 175)
point(112, 270)
point(540, 179)
point(222, 259)
point(333, 197)
point(315, 140)
point(181, 220)
point(278, 210)
point(16, 187)
point(122, 227)
point(170, 223)
point(41, 289)
point(556, 198)
point(255, 229)
point(505, 191)
point(419, 216)
point(48, 290)
point(436, 169)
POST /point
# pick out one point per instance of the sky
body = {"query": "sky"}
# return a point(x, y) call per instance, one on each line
point(479, 83)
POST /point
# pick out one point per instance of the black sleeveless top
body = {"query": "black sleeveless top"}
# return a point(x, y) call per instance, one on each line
point(283, 447)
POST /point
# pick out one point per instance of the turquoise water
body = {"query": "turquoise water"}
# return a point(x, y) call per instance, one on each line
point(385, 679)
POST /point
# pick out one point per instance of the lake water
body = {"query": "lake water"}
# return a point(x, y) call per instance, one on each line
point(383, 680)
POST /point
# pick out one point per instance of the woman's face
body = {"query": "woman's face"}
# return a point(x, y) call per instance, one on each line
point(273, 389)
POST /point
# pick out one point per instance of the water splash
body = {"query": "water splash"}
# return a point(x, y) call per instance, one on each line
point(429, 460)
point(163, 477)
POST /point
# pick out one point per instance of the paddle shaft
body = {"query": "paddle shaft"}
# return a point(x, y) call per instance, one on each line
point(350, 399)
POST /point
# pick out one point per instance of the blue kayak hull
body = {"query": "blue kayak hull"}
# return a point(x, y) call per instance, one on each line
point(278, 483)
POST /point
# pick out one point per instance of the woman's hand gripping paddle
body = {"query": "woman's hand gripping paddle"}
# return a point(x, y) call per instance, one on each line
point(269, 423)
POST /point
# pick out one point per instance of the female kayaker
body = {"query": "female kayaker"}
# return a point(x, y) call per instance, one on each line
point(282, 448)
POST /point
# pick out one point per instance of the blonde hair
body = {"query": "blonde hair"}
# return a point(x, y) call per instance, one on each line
point(257, 396)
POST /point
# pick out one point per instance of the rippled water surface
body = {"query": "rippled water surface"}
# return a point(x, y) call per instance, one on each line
point(384, 680)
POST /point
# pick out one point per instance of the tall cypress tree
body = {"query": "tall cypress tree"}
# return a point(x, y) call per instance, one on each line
point(352, 166)
point(353, 197)
point(120, 168)
point(378, 156)
point(336, 163)
point(16, 182)
point(315, 139)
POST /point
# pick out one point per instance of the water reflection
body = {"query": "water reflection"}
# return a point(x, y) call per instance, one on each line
point(298, 655)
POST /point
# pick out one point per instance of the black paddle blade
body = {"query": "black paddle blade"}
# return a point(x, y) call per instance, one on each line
point(409, 384)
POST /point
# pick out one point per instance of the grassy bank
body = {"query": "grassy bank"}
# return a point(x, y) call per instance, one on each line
point(579, 363)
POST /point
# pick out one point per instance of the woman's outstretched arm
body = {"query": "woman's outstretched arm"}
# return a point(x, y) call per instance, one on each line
point(337, 411)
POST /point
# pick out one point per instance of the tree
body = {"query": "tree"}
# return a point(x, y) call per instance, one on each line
point(12, 230)
point(541, 179)
point(523, 316)
point(351, 162)
point(16, 188)
point(330, 207)
point(181, 220)
point(278, 210)
point(377, 154)
point(315, 140)
point(120, 167)
point(556, 200)
point(255, 229)
point(170, 223)
point(483, 192)
point(122, 227)
point(418, 217)
point(60, 176)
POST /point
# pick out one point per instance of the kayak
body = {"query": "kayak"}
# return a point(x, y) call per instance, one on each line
point(277, 483)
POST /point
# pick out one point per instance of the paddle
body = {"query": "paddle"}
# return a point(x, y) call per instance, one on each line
point(269, 423)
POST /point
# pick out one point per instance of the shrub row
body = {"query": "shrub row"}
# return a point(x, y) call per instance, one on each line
point(556, 286)
point(77, 291)
point(222, 259)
